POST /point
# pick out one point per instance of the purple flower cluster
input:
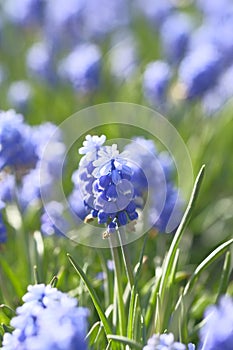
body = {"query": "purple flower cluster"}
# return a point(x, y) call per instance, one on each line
point(114, 186)
point(48, 319)
point(166, 342)
point(105, 183)
point(26, 169)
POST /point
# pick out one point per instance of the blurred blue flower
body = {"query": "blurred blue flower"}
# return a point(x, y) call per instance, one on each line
point(32, 184)
point(165, 342)
point(214, 7)
point(7, 187)
point(53, 221)
point(49, 147)
point(123, 59)
point(175, 34)
point(16, 146)
point(24, 12)
point(63, 22)
point(199, 70)
point(102, 17)
point(156, 81)
point(19, 94)
point(45, 306)
point(217, 331)
point(39, 62)
point(3, 236)
point(82, 68)
point(156, 11)
point(153, 182)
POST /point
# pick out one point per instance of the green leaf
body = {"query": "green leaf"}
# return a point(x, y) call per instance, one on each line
point(125, 341)
point(93, 296)
point(162, 283)
point(132, 313)
point(223, 285)
point(12, 277)
point(170, 257)
point(7, 310)
point(215, 254)
point(93, 332)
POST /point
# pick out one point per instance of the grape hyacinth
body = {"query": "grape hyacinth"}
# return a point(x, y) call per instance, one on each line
point(16, 146)
point(217, 332)
point(156, 80)
point(48, 319)
point(166, 342)
point(104, 179)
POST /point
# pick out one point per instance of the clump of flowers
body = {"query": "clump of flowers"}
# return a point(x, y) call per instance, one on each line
point(105, 180)
point(48, 319)
point(165, 342)
point(114, 185)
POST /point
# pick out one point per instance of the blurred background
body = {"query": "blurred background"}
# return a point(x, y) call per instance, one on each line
point(58, 57)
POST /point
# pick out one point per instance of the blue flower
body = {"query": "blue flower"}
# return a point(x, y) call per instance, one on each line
point(104, 182)
point(152, 175)
point(82, 68)
point(45, 306)
point(25, 12)
point(165, 342)
point(199, 71)
point(156, 11)
point(92, 144)
point(217, 332)
point(108, 156)
point(53, 221)
point(19, 94)
point(156, 81)
point(16, 146)
point(175, 34)
point(39, 62)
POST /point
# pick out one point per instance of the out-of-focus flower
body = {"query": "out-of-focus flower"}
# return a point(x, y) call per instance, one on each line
point(214, 7)
point(123, 59)
point(19, 94)
point(175, 34)
point(49, 147)
point(53, 221)
point(156, 11)
point(152, 176)
point(7, 187)
point(63, 22)
point(165, 342)
point(45, 306)
point(199, 71)
point(102, 17)
point(217, 332)
point(40, 62)
point(82, 68)
point(3, 236)
point(25, 12)
point(16, 147)
point(156, 80)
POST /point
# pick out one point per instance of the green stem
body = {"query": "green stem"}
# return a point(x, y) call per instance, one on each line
point(119, 288)
point(126, 257)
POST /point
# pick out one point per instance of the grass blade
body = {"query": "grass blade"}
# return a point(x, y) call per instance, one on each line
point(125, 341)
point(93, 295)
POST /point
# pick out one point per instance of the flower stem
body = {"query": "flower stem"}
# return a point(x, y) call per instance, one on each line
point(126, 256)
point(119, 287)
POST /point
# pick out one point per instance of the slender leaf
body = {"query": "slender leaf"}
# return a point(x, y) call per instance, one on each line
point(93, 295)
point(125, 341)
